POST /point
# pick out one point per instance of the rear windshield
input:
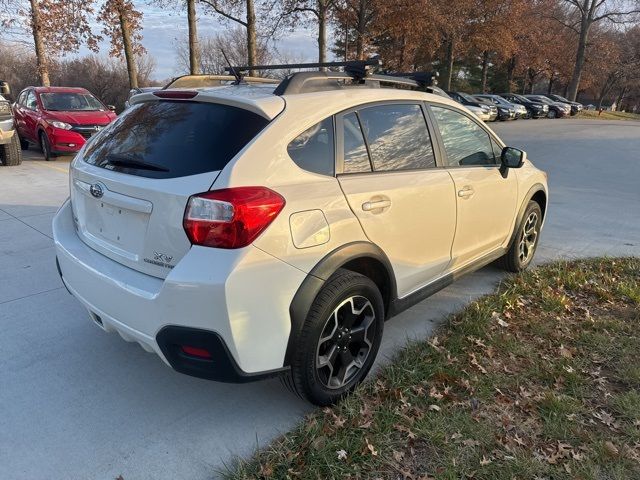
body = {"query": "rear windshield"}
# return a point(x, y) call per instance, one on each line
point(169, 139)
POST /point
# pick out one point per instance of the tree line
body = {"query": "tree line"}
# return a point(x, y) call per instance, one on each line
point(573, 47)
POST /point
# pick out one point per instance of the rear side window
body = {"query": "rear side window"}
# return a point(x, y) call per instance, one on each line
point(314, 150)
point(173, 139)
point(397, 136)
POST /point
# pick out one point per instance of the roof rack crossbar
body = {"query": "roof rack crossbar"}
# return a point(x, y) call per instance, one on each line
point(351, 65)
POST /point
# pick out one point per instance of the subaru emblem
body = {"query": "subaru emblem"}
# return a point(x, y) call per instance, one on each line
point(96, 190)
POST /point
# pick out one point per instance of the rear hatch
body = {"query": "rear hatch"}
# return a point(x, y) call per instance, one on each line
point(131, 184)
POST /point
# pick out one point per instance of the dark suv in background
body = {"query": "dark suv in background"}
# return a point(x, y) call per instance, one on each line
point(471, 101)
point(576, 107)
point(10, 153)
point(535, 109)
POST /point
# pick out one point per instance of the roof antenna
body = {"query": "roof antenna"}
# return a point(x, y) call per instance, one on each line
point(234, 72)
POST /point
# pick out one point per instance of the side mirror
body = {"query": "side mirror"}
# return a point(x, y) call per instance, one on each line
point(112, 108)
point(512, 158)
point(4, 88)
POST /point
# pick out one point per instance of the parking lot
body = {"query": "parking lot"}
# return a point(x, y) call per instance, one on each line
point(77, 403)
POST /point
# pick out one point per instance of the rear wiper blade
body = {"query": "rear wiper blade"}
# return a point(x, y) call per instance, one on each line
point(124, 161)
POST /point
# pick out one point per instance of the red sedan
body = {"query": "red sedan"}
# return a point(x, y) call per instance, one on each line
point(59, 119)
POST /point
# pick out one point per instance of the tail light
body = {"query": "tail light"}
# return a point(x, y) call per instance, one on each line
point(231, 217)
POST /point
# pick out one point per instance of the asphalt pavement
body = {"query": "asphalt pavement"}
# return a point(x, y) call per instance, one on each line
point(76, 403)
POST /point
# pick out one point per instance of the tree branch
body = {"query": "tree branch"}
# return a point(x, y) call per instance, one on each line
point(214, 4)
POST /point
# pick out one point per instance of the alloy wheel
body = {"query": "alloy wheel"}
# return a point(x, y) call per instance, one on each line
point(345, 342)
point(528, 238)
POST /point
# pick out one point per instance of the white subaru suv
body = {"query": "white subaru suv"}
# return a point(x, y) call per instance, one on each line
point(250, 230)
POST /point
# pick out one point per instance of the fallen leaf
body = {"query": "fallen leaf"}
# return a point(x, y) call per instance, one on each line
point(342, 454)
point(496, 316)
point(434, 407)
point(611, 449)
point(371, 448)
point(484, 461)
point(398, 456)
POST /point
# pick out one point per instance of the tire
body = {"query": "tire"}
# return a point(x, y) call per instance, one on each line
point(552, 114)
point(326, 334)
point(45, 146)
point(524, 245)
point(10, 154)
point(24, 145)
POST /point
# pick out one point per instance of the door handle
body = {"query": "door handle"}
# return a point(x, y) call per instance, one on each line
point(375, 205)
point(466, 192)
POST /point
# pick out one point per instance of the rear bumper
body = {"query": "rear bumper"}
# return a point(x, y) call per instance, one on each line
point(226, 300)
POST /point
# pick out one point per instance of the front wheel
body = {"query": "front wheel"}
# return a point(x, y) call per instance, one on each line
point(339, 340)
point(525, 243)
point(552, 114)
point(45, 145)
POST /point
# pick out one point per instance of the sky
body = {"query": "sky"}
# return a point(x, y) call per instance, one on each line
point(162, 29)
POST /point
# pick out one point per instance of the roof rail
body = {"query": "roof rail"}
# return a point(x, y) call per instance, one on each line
point(355, 68)
point(211, 80)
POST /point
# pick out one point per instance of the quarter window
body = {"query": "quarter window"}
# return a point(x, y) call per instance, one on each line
point(313, 149)
point(465, 142)
point(356, 158)
point(397, 137)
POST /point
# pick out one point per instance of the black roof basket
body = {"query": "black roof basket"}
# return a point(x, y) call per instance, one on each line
point(356, 73)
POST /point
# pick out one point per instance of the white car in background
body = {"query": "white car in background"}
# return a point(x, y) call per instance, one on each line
point(247, 231)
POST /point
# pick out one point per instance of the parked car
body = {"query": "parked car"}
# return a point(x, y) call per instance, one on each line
point(10, 153)
point(59, 119)
point(505, 112)
point(519, 110)
point(227, 233)
point(534, 109)
point(489, 111)
point(556, 109)
point(136, 91)
point(576, 107)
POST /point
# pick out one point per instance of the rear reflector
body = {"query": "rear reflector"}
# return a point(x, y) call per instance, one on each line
point(231, 217)
point(195, 351)
point(176, 94)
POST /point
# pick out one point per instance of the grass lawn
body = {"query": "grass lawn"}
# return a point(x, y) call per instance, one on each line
point(592, 114)
point(537, 381)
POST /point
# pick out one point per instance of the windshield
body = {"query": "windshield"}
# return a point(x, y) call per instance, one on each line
point(70, 102)
point(468, 97)
point(561, 99)
point(540, 99)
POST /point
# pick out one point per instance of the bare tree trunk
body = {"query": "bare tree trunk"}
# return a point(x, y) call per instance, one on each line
point(322, 31)
point(346, 41)
point(620, 98)
point(485, 67)
point(511, 68)
point(194, 47)
point(585, 25)
point(566, 90)
point(360, 31)
point(449, 64)
point(41, 54)
point(132, 68)
point(251, 35)
point(551, 79)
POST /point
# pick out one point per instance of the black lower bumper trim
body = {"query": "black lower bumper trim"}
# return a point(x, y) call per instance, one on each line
point(221, 367)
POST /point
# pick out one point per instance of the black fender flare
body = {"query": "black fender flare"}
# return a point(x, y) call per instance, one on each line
point(538, 187)
point(317, 277)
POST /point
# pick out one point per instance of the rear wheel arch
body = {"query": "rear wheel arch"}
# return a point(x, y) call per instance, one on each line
point(364, 258)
